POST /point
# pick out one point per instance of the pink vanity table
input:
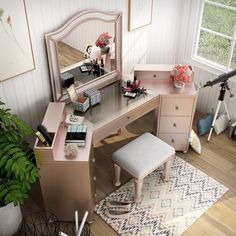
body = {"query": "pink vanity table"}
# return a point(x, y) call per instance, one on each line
point(68, 185)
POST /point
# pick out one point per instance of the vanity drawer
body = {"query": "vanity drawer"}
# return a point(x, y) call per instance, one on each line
point(174, 124)
point(152, 71)
point(177, 106)
point(115, 124)
point(178, 141)
point(147, 75)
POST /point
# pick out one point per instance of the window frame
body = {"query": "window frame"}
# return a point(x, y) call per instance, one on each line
point(193, 36)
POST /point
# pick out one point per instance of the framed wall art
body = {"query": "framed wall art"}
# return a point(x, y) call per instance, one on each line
point(15, 44)
point(140, 13)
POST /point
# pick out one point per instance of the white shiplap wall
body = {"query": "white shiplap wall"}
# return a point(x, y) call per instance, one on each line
point(28, 94)
point(170, 34)
point(161, 42)
point(208, 97)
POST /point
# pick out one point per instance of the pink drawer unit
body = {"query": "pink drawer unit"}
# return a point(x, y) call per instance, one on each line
point(174, 124)
point(175, 118)
point(178, 141)
point(173, 106)
point(152, 71)
point(142, 75)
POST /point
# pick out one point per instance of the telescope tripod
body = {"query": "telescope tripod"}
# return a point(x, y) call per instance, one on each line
point(224, 87)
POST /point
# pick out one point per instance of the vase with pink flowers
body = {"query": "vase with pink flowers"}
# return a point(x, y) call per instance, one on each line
point(103, 42)
point(181, 75)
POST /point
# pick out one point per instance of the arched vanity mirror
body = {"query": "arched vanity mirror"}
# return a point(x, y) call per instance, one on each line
point(85, 51)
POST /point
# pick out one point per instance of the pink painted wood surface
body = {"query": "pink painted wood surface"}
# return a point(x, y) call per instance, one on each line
point(178, 141)
point(176, 106)
point(66, 187)
point(167, 168)
point(54, 116)
point(117, 171)
point(174, 124)
point(83, 152)
point(153, 67)
point(138, 185)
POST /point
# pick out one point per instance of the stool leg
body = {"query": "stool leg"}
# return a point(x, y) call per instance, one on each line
point(138, 185)
point(117, 175)
point(167, 168)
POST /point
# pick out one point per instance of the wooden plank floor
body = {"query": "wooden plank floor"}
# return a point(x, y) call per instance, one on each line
point(218, 160)
point(68, 55)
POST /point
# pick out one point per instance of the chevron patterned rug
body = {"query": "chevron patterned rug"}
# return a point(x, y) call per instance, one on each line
point(167, 208)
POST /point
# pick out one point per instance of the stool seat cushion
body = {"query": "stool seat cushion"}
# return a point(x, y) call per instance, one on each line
point(142, 155)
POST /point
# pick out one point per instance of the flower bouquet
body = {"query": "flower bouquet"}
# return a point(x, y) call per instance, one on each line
point(181, 75)
point(103, 42)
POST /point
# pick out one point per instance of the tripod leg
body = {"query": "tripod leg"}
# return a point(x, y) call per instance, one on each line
point(214, 120)
point(226, 109)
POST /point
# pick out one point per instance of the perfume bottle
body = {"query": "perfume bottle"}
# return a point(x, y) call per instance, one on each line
point(136, 83)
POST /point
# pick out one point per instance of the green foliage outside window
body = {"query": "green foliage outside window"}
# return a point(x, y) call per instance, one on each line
point(213, 48)
point(231, 3)
point(221, 20)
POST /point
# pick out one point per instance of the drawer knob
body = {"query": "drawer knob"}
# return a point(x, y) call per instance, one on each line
point(93, 160)
point(128, 117)
point(172, 140)
point(154, 76)
point(174, 125)
point(94, 178)
point(176, 108)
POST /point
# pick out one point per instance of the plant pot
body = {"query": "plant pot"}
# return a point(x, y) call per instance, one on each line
point(179, 84)
point(10, 219)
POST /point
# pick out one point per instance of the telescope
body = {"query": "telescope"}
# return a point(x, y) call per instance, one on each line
point(221, 78)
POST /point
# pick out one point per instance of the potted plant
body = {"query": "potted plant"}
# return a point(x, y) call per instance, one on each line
point(17, 169)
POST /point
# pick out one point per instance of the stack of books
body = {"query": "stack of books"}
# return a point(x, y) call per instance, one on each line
point(76, 134)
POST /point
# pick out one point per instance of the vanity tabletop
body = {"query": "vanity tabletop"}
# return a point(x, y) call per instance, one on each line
point(114, 105)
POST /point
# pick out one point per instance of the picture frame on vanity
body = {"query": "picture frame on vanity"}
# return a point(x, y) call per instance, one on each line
point(139, 17)
point(14, 31)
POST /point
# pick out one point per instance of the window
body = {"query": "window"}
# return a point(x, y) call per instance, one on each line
point(216, 34)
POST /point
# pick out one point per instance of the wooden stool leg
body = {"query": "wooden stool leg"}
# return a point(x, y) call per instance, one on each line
point(117, 175)
point(138, 185)
point(167, 168)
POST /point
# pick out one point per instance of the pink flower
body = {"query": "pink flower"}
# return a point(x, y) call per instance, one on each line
point(103, 40)
point(9, 20)
point(182, 73)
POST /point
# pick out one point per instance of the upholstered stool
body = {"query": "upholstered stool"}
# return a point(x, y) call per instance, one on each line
point(140, 157)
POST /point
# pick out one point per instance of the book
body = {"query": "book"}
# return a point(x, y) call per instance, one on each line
point(79, 144)
point(76, 134)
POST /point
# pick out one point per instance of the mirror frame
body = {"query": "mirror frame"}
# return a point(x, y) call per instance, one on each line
point(51, 44)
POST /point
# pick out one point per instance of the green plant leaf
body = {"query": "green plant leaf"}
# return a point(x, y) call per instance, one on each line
point(8, 164)
point(1, 187)
point(17, 172)
point(18, 156)
point(3, 161)
point(8, 147)
point(13, 150)
point(3, 193)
